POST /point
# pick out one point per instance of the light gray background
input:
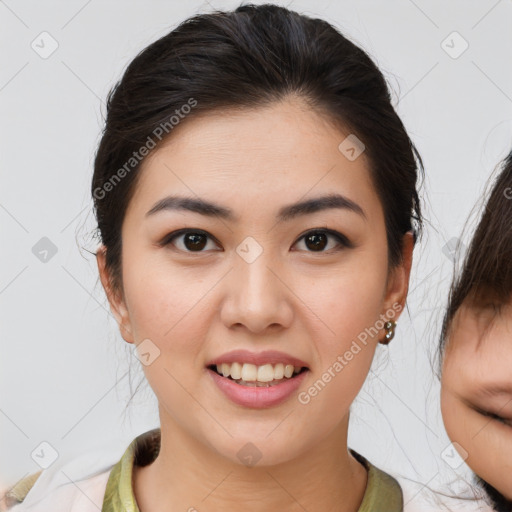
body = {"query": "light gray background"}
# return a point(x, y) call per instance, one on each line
point(63, 364)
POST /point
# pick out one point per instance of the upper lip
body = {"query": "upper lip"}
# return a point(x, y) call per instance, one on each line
point(257, 358)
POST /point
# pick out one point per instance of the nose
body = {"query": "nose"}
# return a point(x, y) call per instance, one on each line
point(256, 296)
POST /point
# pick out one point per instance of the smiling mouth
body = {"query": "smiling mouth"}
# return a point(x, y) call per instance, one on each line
point(269, 375)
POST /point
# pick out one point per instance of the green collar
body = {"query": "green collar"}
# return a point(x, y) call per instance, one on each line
point(383, 492)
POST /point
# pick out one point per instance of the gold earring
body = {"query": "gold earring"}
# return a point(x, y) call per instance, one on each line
point(390, 328)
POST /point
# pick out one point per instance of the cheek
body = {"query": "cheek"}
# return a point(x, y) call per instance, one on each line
point(170, 309)
point(350, 303)
point(454, 416)
point(459, 420)
point(352, 316)
point(169, 306)
point(351, 300)
point(489, 451)
point(486, 445)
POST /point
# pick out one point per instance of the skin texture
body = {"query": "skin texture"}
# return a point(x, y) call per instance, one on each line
point(478, 355)
point(308, 303)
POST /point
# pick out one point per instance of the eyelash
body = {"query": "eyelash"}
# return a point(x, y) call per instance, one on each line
point(342, 239)
point(495, 417)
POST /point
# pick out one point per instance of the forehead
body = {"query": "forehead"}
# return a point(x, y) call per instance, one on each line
point(256, 156)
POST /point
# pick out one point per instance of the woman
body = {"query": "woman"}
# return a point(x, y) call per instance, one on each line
point(476, 384)
point(256, 200)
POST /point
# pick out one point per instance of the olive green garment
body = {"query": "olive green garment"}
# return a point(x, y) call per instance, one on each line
point(383, 493)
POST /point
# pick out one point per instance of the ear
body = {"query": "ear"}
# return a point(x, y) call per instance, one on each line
point(115, 299)
point(398, 279)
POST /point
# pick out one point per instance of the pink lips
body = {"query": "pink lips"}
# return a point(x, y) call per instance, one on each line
point(257, 358)
point(254, 396)
point(258, 397)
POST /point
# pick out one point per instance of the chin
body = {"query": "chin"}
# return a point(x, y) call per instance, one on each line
point(499, 502)
point(259, 455)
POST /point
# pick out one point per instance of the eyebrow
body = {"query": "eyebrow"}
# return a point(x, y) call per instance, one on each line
point(286, 213)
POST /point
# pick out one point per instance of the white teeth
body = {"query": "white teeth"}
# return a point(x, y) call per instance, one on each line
point(265, 373)
point(236, 371)
point(224, 369)
point(251, 373)
point(288, 370)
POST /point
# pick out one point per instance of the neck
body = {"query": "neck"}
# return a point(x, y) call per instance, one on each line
point(188, 475)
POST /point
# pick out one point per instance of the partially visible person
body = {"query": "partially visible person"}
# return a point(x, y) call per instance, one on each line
point(476, 349)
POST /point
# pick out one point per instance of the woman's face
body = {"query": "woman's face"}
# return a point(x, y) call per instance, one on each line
point(476, 392)
point(253, 281)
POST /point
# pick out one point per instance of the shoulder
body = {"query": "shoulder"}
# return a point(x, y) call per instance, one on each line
point(83, 496)
point(79, 483)
point(397, 493)
point(420, 497)
point(383, 492)
point(16, 494)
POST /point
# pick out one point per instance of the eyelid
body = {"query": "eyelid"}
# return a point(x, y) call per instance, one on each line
point(493, 416)
point(500, 419)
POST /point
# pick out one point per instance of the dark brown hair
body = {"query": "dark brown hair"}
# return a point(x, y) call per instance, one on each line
point(247, 58)
point(486, 275)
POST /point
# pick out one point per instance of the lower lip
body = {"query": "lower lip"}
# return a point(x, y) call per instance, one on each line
point(258, 397)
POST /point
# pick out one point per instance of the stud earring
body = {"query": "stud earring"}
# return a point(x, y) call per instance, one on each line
point(390, 332)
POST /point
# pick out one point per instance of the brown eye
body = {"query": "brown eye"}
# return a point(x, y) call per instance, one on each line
point(194, 241)
point(188, 240)
point(318, 240)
